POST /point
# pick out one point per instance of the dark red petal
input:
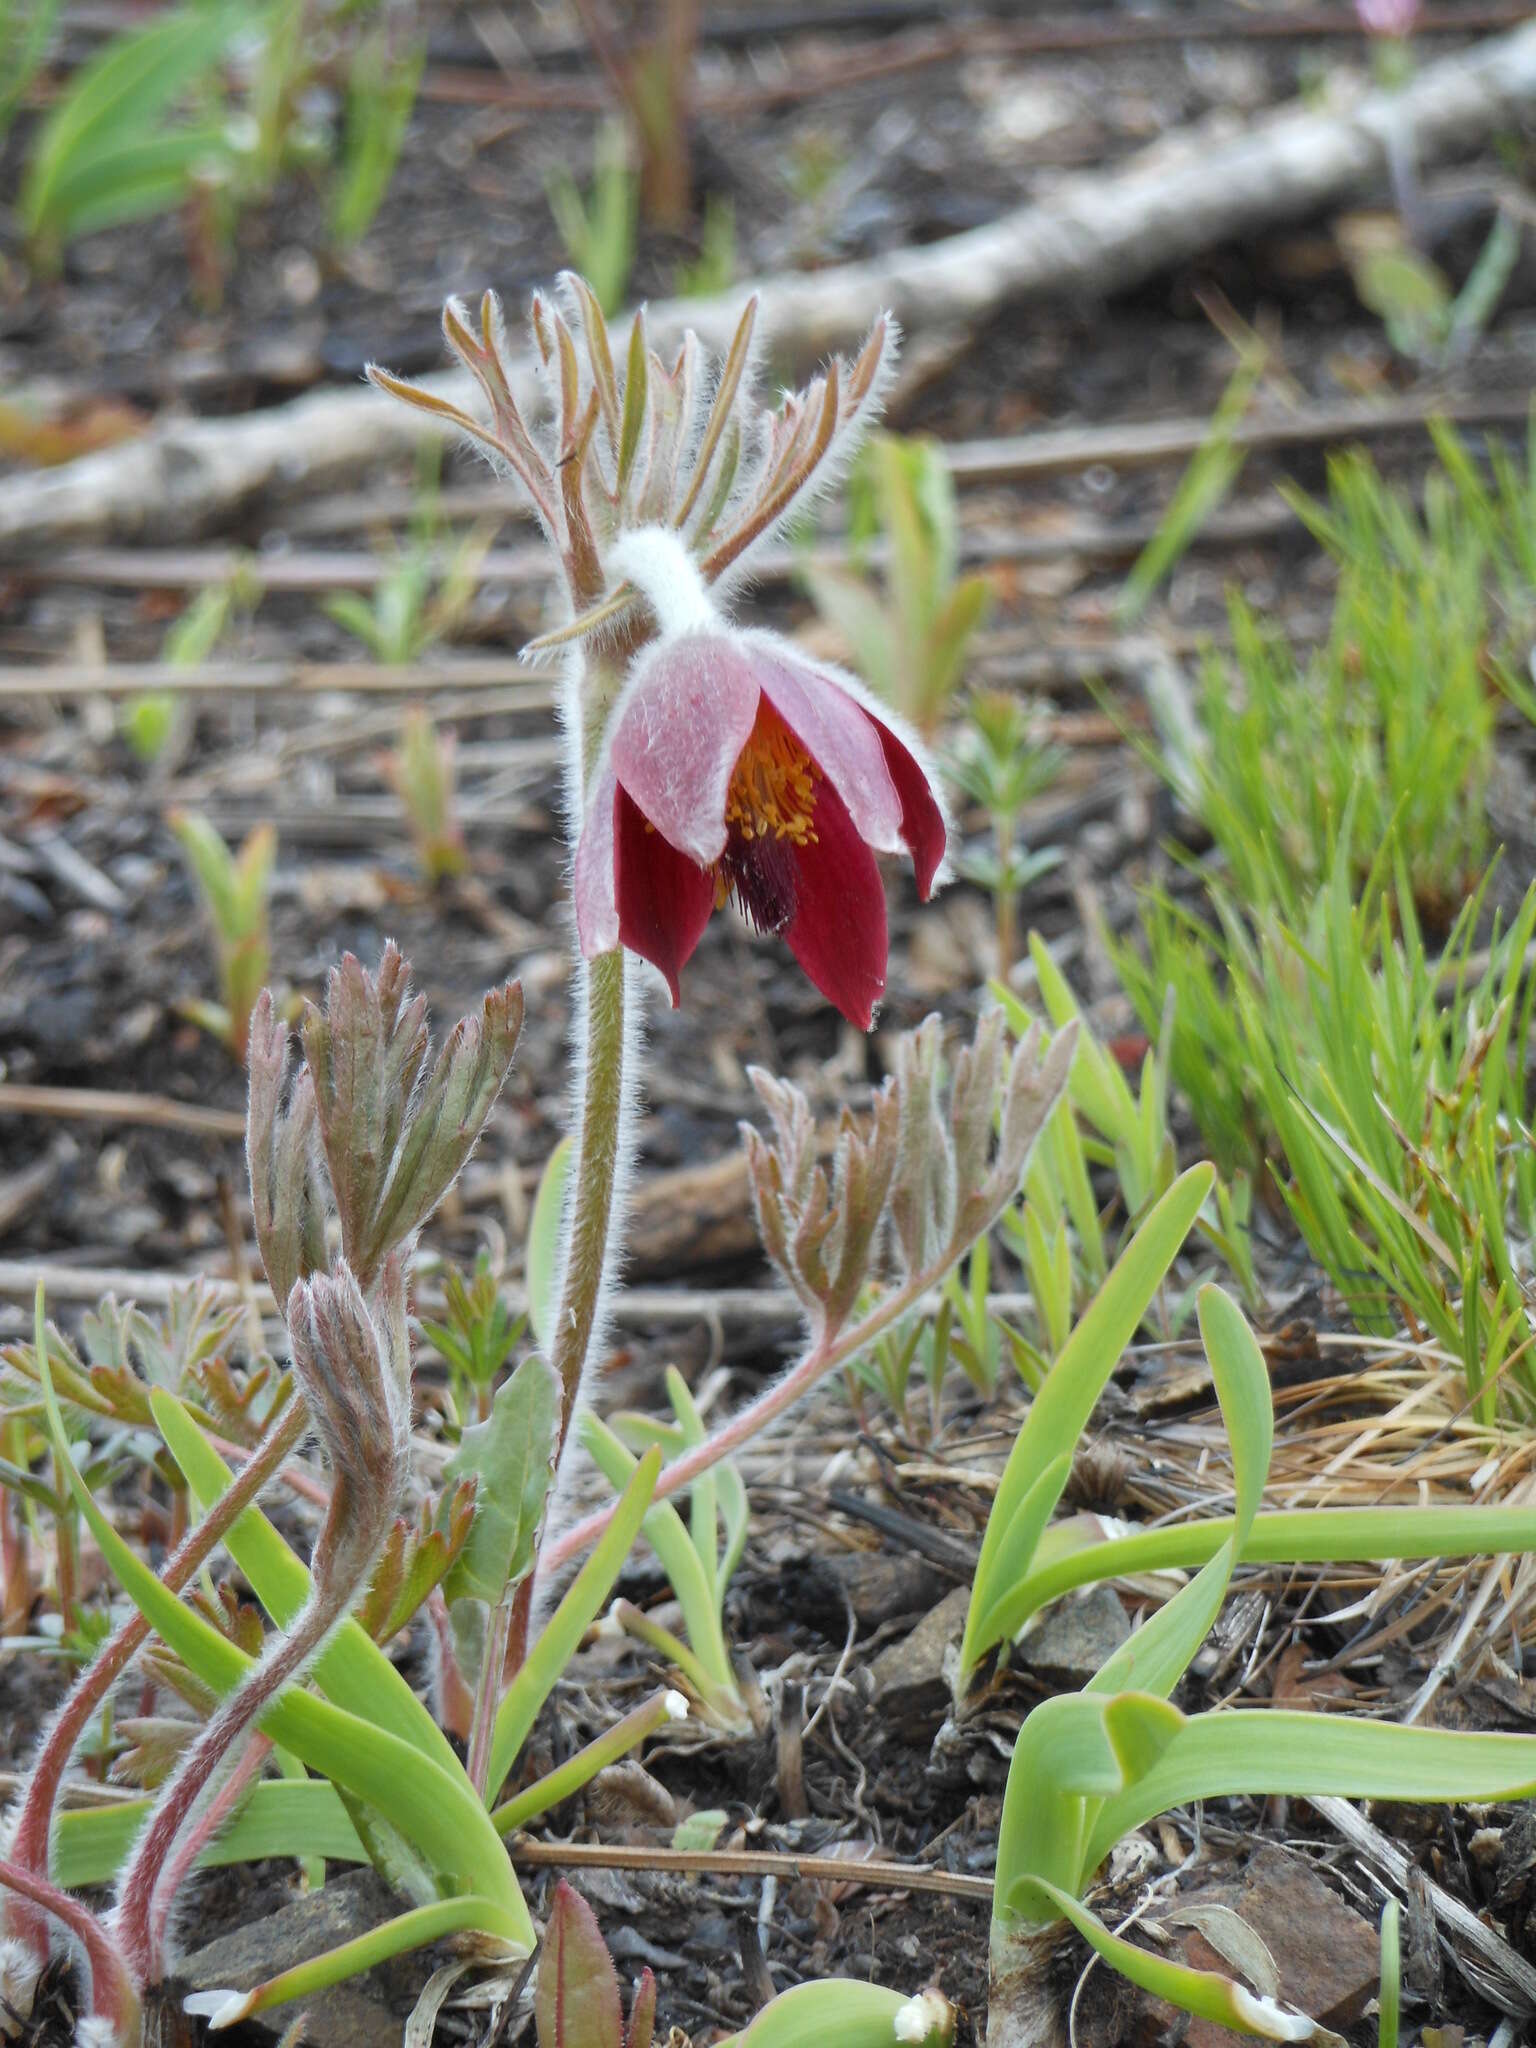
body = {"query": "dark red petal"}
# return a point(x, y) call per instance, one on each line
point(922, 822)
point(664, 897)
point(838, 930)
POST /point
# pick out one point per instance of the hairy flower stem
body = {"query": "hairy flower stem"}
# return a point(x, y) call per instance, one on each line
point(605, 990)
point(34, 1820)
point(196, 1838)
point(114, 1995)
point(592, 1224)
point(154, 1851)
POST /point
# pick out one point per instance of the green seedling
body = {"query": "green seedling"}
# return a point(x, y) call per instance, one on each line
point(699, 1556)
point(303, 46)
point(1090, 1766)
point(381, 96)
point(1214, 469)
point(908, 639)
point(1001, 763)
point(420, 772)
point(713, 270)
point(599, 231)
point(1425, 317)
point(476, 1337)
point(153, 722)
point(26, 30)
point(112, 150)
point(234, 889)
point(420, 599)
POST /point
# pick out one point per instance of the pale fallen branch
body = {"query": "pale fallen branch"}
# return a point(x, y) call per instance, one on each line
point(1032, 458)
point(118, 1106)
point(1096, 233)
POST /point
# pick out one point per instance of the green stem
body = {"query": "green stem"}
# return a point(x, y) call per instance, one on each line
point(591, 1216)
point(601, 990)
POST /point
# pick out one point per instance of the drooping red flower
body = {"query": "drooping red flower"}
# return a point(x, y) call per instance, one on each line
point(737, 769)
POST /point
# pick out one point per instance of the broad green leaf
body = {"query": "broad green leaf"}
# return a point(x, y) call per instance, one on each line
point(1015, 1552)
point(851, 2013)
point(1069, 1555)
point(1275, 1750)
point(114, 102)
point(433, 1807)
point(279, 1817)
point(543, 1252)
point(352, 1670)
point(140, 177)
point(1140, 1727)
point(1062, 1756)
point(511, 1457)
point(1060, 1411)
point(1156, 1657)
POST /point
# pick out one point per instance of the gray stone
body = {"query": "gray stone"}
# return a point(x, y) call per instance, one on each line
point(909, 1680)
point(343, 2017)
point(1075, 1638)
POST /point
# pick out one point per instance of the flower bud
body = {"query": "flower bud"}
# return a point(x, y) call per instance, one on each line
point(350, 1377)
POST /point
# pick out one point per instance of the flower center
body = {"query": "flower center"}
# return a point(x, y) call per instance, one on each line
point(773, 785)
point(769, 809)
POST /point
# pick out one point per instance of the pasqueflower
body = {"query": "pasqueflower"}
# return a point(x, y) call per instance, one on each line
point(737, 769)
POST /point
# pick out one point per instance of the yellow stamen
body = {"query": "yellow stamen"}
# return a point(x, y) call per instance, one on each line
point(773, 786)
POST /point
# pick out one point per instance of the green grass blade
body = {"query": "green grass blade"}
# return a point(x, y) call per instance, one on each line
point(1158, 1654)
point(666, 1532)
point(569, 1622)
point(1061, 1409)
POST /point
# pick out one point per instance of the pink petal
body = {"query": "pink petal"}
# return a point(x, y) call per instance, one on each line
point(838, 733)
point(664, 898)
point(838, 930)
point(593, 884)
point(682, 727)
point(922, 822)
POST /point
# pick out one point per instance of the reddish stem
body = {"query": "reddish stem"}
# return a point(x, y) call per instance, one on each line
point(197, 1837)
point(34, 1821)
point(155, 1850)
point(826, 1353)
point(114, 1995)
